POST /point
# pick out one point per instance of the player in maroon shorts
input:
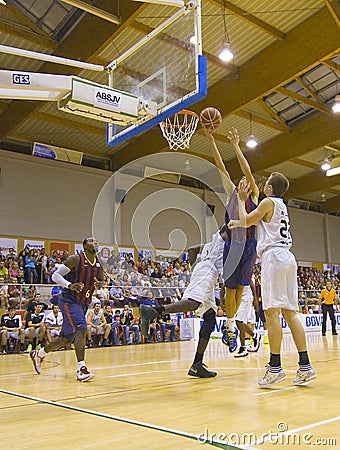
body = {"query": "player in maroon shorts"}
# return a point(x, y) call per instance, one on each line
point(79, 276)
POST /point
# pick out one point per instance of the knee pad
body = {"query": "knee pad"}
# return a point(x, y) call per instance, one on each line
point(209, 322)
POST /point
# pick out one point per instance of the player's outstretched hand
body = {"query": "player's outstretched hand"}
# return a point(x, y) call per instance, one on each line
point(78, 287)
point(234, 137)
point(243, 190)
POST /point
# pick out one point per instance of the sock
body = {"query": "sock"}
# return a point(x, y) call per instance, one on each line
point(305, 367)
point(198, 358)
point(81, 364)
point(230, 325)
point(303, 358)
point(41, 353)
point(159, 309)
point(275, 360)
point(4, 347)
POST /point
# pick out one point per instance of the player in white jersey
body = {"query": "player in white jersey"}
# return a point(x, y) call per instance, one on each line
point(198, 294)
point(278, 277)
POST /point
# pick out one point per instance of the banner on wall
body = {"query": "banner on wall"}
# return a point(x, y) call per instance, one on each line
point(124, 251)
point(6, 244)
point(326, 267)
point(336, 269)
point(35, 245)
point(173, 254)
point(59, 247)
point(146, 253)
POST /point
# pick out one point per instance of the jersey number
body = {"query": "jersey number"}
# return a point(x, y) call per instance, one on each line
point(88, 293)
point(284, 229)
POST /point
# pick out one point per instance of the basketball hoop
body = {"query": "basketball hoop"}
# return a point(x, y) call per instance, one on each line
point(179, 129)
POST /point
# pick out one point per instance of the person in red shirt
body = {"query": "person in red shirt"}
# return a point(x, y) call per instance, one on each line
point(327, 299)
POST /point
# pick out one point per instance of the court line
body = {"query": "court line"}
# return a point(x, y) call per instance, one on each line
point(214, 443)
point(274, 391)
point(296, 430)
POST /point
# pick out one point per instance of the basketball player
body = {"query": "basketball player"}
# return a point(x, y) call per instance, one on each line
point(198, 294)
point(79, 275)
point(240, 248)
point(278, 276)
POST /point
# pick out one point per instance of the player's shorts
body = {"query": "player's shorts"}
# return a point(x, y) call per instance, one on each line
point(246, 305)
point(279, 279)
point(95, 331)
point(55, 333)
point(201, 288)
point(73, 316)
point(238, 262)
point(13, 334)
point(36, 332)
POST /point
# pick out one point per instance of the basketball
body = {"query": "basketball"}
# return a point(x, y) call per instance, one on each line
point(210, 118)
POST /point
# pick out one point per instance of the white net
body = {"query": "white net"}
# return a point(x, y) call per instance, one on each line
point(179, 129)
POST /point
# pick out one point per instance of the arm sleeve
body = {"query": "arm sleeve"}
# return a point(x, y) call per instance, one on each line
point(58, 276)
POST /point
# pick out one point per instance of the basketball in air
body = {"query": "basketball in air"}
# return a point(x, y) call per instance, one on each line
point(210, 118)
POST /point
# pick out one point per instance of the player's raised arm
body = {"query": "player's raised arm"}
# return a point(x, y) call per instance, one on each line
point(245, 167)
point(228, 185)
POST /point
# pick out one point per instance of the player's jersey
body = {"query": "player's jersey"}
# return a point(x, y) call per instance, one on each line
point(54, 321)
point(85, 273)
point(211, 256)
point(11, 322)
point(96, 318)
point(232, 212)
point(276, 232)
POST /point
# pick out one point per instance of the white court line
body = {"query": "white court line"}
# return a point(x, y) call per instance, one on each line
point(274, 391)
point(214, 443)
point(297, 430)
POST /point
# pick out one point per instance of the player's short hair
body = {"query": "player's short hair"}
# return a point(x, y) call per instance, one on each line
point(85, 241)
point(279, 183)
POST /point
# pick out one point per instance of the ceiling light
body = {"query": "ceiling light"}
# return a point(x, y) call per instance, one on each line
point(2, 2)
point(331, 172)
point(226, 54)
point(336, 105)
point(326, 164)
point(251, 142)
point(193, 39)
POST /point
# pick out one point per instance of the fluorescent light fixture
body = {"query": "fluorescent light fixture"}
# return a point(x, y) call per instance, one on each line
point(226, 54)
point(332, 172)
point(336, 105)
point(251, 142)
point(326, 165)
point(2, 2)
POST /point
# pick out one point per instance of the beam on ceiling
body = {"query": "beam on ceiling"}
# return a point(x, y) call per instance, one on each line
point(302, 50)
point(309, 90)
point(305, 163)
point(302, 99)
point(23, 19)
point(249, 18)
point(334, 9)
point(313, 182)
point(93, 10)
point(68, 123)
point(331, 64)
point(283, 147)
point(28, 35)
point(262, 120)
point(270, 111)
point(71, 47)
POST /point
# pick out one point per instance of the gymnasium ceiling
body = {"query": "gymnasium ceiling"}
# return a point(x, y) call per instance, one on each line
point(284, 76)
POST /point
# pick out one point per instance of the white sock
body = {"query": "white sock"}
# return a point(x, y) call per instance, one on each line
point(42, 353)
point(230, 324)
point(81, 364)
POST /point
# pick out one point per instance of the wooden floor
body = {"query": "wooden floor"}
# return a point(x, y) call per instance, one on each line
point(142, 398)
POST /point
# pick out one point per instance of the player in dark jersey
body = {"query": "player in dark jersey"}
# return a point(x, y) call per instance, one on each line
point(79, 275)
point(240, 248)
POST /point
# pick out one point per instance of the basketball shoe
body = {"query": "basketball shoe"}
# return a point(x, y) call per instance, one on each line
point(304, 377)
point(199, 370)
point(36, 360)
point(83, 374)
point(273, 375)
point(242, 351)
point(256, 343)
point(147, 314)
point(229, 338)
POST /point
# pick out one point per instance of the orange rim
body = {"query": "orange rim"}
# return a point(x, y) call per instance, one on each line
point(183, 111)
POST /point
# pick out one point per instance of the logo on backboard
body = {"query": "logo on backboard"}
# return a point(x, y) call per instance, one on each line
point(108, 98)
point(21, 78)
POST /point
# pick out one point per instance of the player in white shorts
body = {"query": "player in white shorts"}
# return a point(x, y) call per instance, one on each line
point(278, 276)
point(243, 316)
point(198, 295)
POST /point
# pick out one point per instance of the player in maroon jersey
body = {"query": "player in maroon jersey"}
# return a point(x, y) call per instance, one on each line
point(79, 275)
